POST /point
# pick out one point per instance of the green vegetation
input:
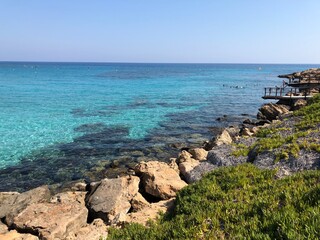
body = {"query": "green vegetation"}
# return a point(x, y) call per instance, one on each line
point(239, 202)
point(285, 142)
point(310, 114)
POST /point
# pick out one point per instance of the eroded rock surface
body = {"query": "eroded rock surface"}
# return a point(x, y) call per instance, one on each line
point(14, 235)
point(12, 205)
point(149, 212)
point(199, 154)
point(94, 231)
point(159, 179)
point(271, 110)
point(55, 219)
point(111, 198)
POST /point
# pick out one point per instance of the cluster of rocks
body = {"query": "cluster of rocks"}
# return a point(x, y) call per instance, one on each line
point(85, 211)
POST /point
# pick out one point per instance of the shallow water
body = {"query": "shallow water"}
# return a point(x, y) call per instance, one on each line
point(66, 121)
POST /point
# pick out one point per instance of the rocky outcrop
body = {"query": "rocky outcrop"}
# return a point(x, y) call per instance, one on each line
point(14, 235)
point(222, 156)
point(56, 219)
point(149, 212)
point(159, 180)
point(220, 139)
point(187, 167)
point(271, 111)
point(95, 231)
point(299, 104)
point(138, 203)
point(195, 173)
point(199, 154)
point(11, 204)
point(111, 198)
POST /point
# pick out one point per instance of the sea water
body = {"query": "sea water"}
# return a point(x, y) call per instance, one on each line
point(67, 121)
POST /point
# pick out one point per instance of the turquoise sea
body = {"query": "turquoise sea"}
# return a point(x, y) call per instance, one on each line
point(67, 121)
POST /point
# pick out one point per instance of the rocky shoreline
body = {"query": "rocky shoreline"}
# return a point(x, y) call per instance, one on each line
point(86, 211)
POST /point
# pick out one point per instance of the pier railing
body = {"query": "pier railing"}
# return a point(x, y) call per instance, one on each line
point(284, 93)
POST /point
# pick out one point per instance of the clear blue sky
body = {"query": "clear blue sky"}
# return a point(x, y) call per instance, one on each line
point(246, 31)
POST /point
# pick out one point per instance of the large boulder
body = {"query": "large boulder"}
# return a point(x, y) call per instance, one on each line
point(159, 179)
point(11, 204)
point(186, 168)
point(55, 219)
point(138, 203)
point(183, 156)
point(223, 156)
point(150, 212)
point(271, 110)
point(196, 173)
point(111, 199)
point(199, 154)
point(220, 139)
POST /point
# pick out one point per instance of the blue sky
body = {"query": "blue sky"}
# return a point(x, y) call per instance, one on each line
point(208, 31)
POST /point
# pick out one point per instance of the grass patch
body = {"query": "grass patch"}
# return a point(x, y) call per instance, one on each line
point(239, 202)
point(286, 145)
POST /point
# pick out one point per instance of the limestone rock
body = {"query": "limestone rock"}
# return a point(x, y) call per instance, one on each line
point(299, 104)
point(150, 212)
point(197, 172)
point(14, 235)
point(3, 228)
point(186, 168)
point(199, 154)
point(54, 220)
point(7, 200)
point(246, 132)
point(255, 130)
point(223, 138)
point(159, 179)
point(69, 197)
point(183, 156)
point(138, 203)
point(12, 206)
point(112, 197)
point(271, 111)
point(173, 164)
point(233, 132)
point(222, 156)
point(94, 231)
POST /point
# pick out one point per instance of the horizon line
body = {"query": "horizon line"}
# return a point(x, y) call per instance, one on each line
point(124, 62)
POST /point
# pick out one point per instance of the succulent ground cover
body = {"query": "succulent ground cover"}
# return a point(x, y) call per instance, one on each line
point(241, 202)
point(286, 138)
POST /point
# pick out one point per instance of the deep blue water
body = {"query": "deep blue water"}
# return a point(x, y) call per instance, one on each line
point(66, 121)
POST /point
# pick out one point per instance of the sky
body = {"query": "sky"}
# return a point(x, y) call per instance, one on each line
point(163, 31)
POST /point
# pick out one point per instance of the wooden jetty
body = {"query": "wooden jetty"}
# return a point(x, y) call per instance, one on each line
point(300, 85)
